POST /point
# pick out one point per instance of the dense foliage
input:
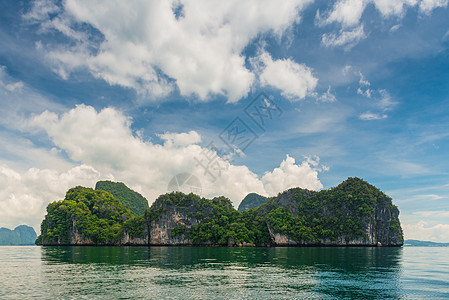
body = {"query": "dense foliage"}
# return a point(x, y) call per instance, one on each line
point(212, 221)
point(340, 213)
point(94, 215)
point(132, 200)
point(252, 200)
point(21, 235)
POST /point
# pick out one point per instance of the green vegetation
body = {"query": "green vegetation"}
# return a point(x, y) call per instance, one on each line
point(342, 211)
point(303, 216)
point(94, 215)
point(132, 200)
point(21, 235)
point(252, 200)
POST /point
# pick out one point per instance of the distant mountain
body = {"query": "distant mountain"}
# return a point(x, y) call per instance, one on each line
point(252, 200)
point(132, 200)
point(21, 235)
point(416, 243)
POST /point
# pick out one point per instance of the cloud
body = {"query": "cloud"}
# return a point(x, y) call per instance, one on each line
point(422, 231)
point(370, 116)
point(5, 82)
point(386, 102)
point(344, 38)
point(25, 195)
point(383, 104)
point(426, 6)
point(326, 97)
point(293, 79)
point(158, 46)
point(181, 139)
point(348, 14)
point(104, 140)
point(289, 174)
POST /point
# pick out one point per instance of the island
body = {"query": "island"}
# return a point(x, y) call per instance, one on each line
point(354, 213)
point(22, 235)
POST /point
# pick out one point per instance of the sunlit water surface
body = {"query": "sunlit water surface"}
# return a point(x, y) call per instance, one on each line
point(224, 273)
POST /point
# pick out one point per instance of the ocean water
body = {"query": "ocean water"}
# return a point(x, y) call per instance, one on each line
point(224, 273)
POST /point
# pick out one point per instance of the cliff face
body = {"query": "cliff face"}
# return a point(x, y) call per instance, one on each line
point(163, 230)
point(354, 213)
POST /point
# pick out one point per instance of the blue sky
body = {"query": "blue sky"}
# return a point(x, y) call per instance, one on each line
point(136, 91)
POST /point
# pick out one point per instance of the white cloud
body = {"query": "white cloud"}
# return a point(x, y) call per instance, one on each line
point(180, 139)
point(426, 6)
point(5, 82)
point(25, 195)
point(289, 174)
point(344, 38)
point(293, 79)
point(326, 97)
point(386, 102)
point(389, 8)
point(370, 116)
point(348, 14)
point(422, 231)
point(149, 48)
point(105, 141)
point(383, 104)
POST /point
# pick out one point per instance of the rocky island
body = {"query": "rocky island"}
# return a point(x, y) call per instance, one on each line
point(354, 213)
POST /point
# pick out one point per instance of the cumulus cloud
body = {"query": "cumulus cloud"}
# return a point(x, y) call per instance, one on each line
point(289, 173)
point(346, 12)
point(25, 195)
point(293, 79)
point(157, 46)
point(104, 140)
point(181, 139)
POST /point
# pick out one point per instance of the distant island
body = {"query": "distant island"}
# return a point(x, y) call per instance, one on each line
point(354, 213)
point(21, 235)
point(416, 243)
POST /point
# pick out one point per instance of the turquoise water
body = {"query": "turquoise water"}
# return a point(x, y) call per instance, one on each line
point(224, 273)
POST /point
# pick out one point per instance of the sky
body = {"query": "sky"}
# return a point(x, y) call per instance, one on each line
point(243, 96)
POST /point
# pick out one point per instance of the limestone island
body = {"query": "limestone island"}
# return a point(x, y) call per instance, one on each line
point(354, 213)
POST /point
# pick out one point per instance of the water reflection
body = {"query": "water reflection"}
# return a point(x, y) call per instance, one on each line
point(226, 272)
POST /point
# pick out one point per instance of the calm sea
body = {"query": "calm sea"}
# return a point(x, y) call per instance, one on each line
point(224, 273)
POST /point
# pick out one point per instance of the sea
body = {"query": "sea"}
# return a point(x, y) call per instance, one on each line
point(223, 273)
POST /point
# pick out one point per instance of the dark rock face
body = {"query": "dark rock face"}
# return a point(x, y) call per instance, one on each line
point(21, 235)
point(252, 200)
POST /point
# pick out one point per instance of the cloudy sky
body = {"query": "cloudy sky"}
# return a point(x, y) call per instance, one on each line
point(248, 96)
